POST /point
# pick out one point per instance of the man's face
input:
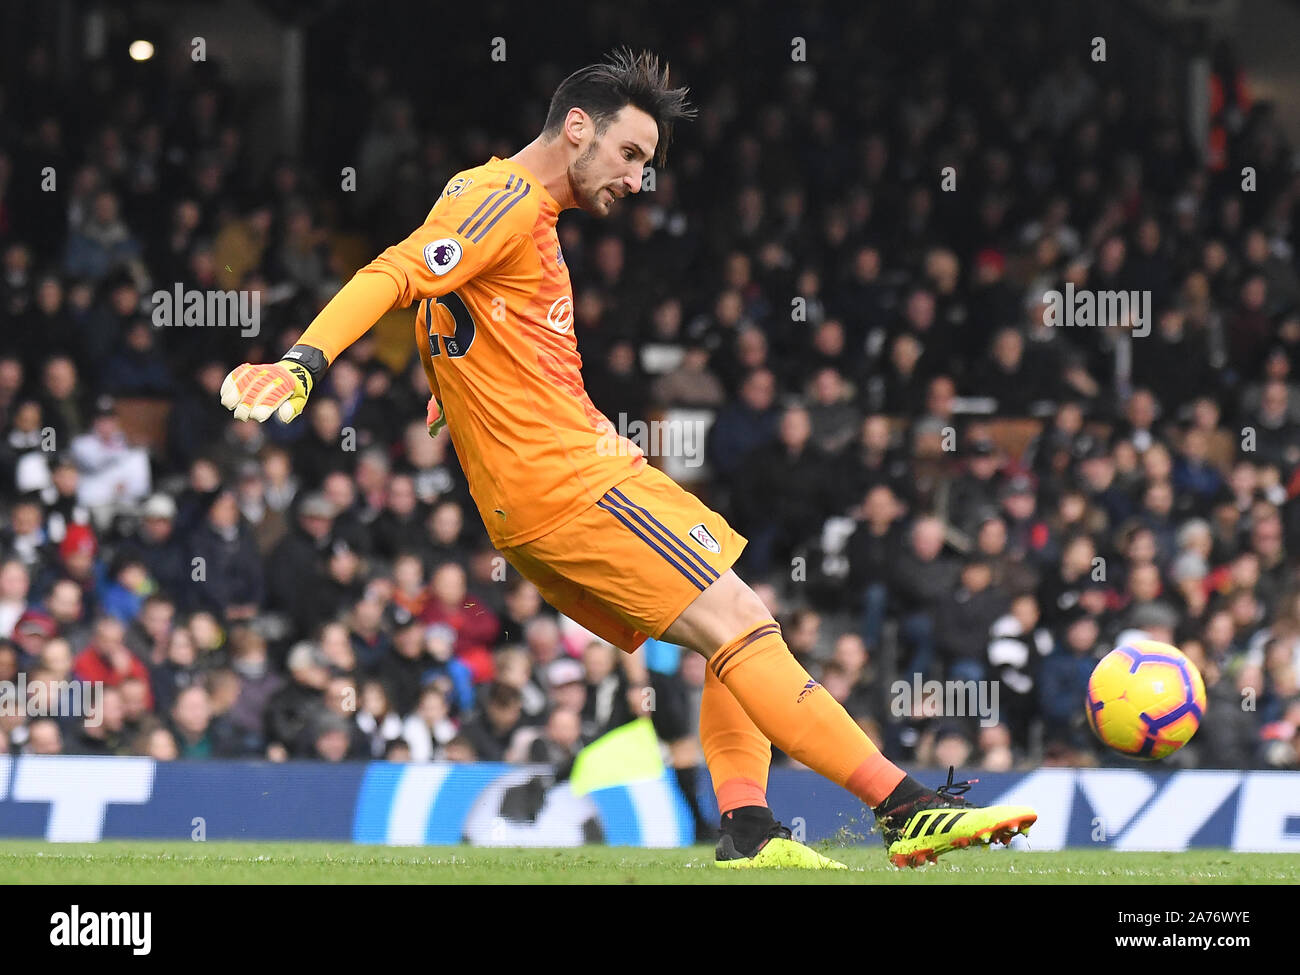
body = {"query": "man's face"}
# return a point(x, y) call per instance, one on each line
point(224, 512)
point(108, 635)
point(504, 716)
point(879, 506)
point(157, 618)
point(332, 745)
point(26, 519)
point(65, 479)
point(64, 603)
point(1082, 634)
point(157, 529)
point(316, 526)
point(758, 391)
point(927, 540)
point(45, 739)
point(609, 163)
point(106, 426)
point(570, 697)
point(564, 728)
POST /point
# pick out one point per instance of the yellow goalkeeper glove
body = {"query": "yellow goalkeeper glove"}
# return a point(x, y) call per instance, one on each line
point(282, 387)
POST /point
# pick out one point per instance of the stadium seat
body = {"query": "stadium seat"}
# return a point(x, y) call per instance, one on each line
point(144, 420)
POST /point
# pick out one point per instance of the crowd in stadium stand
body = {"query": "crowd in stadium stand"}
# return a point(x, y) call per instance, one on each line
point(934, 480)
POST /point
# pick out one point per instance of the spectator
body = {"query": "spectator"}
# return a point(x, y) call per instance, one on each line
point(108, 659)
point(1017, 647)
point(429, 727)
point(872, 550)
point(833, 417)
point(744, 426)
point(781, 493)
point(113, 473)
point(397, 527)
point(475, 625)
point(103, 243)
point(606, 705)
point(227, 575)
point(514, 668)
point(378, 722)
point(1063, 682)
point(923, 576)
point(192, 723)
point(15, 584)
point(331, 738)
point(44, 737)
point(297, 569)
point(178, 670)
point(559, 742)
point(102, 730)
point(691, 385)
point(975, 493)
point(870, 461)
point(963, 620)
point(158, 743)
point(150, 631)
point(490, 731)
point(124, 595)
point(291, 710)
point(403, 668)
point(138, 368)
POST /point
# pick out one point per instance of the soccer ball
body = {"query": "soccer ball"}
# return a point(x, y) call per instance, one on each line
point(1145, 699)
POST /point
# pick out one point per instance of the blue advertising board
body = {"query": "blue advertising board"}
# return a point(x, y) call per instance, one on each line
point(85, 799)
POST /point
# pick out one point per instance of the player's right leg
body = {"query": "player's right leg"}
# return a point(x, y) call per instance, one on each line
point(795, 712)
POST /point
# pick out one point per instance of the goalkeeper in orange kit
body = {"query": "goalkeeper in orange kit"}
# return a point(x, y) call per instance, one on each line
point(609, 541)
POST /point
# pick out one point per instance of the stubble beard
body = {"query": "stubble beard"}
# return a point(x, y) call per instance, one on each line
point(587, 198)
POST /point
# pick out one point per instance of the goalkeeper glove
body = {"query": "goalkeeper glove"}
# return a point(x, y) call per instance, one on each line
point(281, 387)
point(435, 419)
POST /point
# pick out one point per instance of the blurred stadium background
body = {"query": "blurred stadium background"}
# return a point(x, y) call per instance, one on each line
point(934, 480)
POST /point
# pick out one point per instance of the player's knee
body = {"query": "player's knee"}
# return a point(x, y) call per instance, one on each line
point(749, 610)
point(726, 611)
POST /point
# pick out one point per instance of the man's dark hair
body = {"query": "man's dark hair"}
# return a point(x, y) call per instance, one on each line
point(501, 695)
point(602, 90)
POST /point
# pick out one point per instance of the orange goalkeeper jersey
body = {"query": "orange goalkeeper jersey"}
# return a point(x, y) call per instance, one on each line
point(494, 324)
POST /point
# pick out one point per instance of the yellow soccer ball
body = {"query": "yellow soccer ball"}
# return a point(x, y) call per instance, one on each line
point(1145, 699)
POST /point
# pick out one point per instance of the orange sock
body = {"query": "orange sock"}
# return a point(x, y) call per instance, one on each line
point(737, 754)
point(799, 716)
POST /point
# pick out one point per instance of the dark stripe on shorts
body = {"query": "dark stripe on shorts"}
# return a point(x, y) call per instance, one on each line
point(668, 557)
point(644, 516)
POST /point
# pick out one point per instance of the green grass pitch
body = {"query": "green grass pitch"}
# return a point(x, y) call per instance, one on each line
point(148, 862)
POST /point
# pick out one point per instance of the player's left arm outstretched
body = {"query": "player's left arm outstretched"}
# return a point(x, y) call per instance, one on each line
point(431, 262)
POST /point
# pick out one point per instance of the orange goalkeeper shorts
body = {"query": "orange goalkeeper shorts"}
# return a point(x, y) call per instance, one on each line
point(626, 567)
